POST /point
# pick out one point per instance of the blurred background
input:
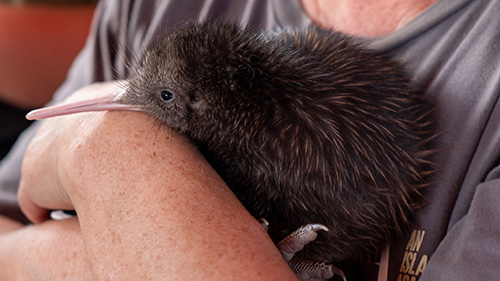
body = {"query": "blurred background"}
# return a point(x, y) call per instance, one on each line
point(38, 41)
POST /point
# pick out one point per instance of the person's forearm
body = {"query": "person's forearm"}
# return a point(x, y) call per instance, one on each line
point(52, 250)
point(156, 209)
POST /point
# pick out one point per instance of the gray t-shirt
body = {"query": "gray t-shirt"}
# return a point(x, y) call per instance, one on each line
point(452, 50)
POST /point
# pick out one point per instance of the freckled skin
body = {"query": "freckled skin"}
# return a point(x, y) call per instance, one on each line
point(305, 126)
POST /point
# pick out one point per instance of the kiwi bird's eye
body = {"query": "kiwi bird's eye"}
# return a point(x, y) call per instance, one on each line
point(166, 95)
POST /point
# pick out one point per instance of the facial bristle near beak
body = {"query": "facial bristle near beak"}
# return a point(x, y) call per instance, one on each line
point(108, 102)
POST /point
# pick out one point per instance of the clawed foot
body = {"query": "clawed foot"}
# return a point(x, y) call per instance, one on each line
point(294, 242)
point(308, 270)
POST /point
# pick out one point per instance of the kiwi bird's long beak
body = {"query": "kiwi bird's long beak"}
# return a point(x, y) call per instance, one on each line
point(97, 104)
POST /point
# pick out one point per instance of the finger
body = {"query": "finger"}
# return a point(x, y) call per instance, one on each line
point(8, 225)
point(31, 210)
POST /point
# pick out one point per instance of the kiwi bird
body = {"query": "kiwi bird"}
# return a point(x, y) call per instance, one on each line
point(304, 125)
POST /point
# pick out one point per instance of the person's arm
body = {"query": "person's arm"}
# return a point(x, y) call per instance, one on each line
point(149, 204)
point(52, 250)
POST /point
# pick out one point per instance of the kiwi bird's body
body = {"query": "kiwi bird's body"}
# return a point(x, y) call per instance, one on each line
point(304, 126)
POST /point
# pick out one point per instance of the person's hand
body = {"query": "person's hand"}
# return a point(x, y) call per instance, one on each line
point(50, 156)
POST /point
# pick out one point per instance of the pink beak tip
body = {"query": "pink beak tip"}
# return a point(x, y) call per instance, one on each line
point(95, 104)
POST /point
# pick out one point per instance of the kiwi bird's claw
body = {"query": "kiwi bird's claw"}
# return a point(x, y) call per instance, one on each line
point(295, 241)
point(306, 270)
point(315, 270)
point(264, 223)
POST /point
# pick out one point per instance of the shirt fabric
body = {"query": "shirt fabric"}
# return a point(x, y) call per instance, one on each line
point(451, 50)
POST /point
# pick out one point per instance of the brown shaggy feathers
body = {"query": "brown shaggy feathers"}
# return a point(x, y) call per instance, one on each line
point(305, 126)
